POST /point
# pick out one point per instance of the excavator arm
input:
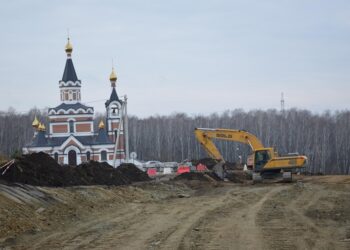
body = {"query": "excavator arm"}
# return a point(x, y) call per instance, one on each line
point(206, 135)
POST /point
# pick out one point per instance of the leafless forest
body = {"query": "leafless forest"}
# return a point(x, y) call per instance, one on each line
point(324, 138)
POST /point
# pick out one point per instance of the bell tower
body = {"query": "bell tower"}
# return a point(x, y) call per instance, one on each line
point(113, 109)
point(114, 117)
point(69, 85)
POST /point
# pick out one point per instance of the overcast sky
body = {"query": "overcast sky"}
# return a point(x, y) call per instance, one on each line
point(196, 57)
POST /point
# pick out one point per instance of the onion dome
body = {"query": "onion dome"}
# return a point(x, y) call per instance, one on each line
point(113, 77)
point(41, 127)
point(69, 47)
point(35, 123)
point(102, 137)
point(101, 125)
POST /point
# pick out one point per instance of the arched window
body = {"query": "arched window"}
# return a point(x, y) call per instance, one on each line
point(88, 155)
point(71, 126)
point(103, 156)
point(114, 110)
point(56, 157)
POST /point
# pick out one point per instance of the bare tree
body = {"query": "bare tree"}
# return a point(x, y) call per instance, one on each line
point(324, 138)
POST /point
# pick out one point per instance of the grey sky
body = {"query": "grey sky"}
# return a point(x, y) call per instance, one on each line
point(187, 56)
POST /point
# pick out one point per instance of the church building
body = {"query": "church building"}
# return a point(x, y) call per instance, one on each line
point(69, 136)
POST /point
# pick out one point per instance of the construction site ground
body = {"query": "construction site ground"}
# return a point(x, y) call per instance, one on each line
point(313, 212)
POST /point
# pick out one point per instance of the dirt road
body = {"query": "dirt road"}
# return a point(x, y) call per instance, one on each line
point(309, 214)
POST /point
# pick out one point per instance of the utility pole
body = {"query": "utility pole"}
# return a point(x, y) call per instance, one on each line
point(118, 135)
point(282, 103)
point(123, 124)
point(126, 129)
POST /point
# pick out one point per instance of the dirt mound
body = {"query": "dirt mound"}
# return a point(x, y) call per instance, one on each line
point(233, 166)
point(132, 173)
point(210, 163)
point(237, 176)
point(197, 176)
point(40, 169)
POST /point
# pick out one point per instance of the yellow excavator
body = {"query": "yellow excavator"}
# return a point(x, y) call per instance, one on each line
point(266, 163)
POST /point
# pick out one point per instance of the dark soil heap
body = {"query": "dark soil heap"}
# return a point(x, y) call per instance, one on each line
point(210, 163)
point(197, 176)
point(237, 176)
point(40, 169)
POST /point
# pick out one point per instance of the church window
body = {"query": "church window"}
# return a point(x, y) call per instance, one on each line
point(114, 111)
point(71, 126)
point(74, 96)
point(56, 157)
point(70, 95)
point(103, 155)
point(88, 155)
point(66, 96)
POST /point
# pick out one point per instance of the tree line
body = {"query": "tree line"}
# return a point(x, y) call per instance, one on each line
point(323, 138)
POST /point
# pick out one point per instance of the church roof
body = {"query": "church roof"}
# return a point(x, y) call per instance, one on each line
point(69, 72)
point(102, 137)
point(74, 106)
point(39, 140)
point(113, 97)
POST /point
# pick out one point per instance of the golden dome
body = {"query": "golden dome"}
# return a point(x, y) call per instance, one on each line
point(41, 127)
point(69, 47)
point(35, 122)
point(113, 76)
point(101, 124)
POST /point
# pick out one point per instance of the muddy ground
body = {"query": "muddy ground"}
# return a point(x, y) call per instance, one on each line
point(311, 213)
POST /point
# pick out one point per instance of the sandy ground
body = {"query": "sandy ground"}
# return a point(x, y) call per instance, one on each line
point(311, 213)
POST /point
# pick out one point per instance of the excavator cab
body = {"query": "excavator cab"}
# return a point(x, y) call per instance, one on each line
point(261, 157)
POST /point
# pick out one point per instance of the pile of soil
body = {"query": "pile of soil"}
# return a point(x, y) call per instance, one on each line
point(237, 176)
point(210, 163)
point(40, 169)
point(233, 166)
point(197, 176)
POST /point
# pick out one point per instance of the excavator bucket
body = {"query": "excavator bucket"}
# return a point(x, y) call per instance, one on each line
point(218, 169)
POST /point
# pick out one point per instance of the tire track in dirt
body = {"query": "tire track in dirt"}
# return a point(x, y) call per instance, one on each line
point(274, 216)
point(171, 238)
point(85, 233)
point(231, 226)
point(284, 224)
point(152, 225)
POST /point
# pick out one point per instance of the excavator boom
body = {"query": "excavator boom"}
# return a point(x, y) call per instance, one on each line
point(206, 135)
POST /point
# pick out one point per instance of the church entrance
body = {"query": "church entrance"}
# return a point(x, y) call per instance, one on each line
point(72, 158)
